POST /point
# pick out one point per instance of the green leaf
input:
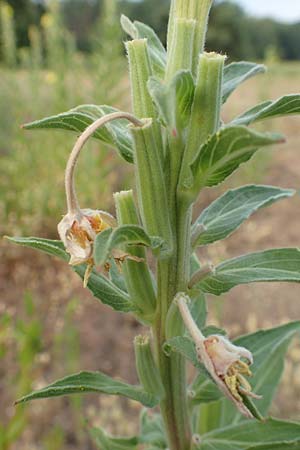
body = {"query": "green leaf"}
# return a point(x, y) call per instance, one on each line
point(109, 239)
point(270, 265)
point(294, 445)
point(152, 430)
point(49, 246)
point(107, 442)
point(102, 289)
point(78, 119)
point(250, 433)
point(116, 277)
point(85, 382)
point(223, 153)
point(284, 106)
point(174, 100)
point(105, 291)
point(157, 52)
point(237, 73)
point(204, 390)
point(228, 212)
point(186, 347)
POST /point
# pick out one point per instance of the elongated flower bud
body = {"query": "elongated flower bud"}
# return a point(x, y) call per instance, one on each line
point(147, 370)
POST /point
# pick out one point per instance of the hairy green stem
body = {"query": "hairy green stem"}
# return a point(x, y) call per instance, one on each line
point(172, 278)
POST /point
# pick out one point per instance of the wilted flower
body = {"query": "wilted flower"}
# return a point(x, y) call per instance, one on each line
point(226, 363)
point(78, 231)
point(79, 227)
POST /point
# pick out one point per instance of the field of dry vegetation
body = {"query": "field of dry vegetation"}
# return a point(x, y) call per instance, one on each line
point(50, 326)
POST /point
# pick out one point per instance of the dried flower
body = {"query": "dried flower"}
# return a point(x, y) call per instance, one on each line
point(223, 360)
point(78, 231)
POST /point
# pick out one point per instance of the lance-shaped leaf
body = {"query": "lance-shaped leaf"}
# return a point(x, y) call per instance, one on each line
point(247, 435)
point(110, 239)
point(106, 442)
point(174, 100)
point(85, 382)
point(238, 72)
point(228, 212)
point(270, 265)
point(157, 52)
point(105, 291)
point(115, 133)
point(101, 287)
point(284, 106)
point(223, 153)
point(49, 246)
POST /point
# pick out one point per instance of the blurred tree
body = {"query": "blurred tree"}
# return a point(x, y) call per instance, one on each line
point(230, 31)
point(26, 13)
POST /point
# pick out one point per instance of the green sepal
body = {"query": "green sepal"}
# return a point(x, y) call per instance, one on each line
point(284, 106)
point(114, 134)
point(238, 72)
point(86, 382)
point(110, 239)
point(157, 52)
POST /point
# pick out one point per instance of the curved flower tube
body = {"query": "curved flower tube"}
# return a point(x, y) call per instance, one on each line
point(79, 227)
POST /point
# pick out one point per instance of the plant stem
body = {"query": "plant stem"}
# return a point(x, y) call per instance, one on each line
point(172, 278)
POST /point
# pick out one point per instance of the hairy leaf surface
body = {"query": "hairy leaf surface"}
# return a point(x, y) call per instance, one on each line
point(78, 119)
point(85, 382)
point(223, 153)
point(284, 106)
point(250, 434)
point(229, 211)
point(238, 72)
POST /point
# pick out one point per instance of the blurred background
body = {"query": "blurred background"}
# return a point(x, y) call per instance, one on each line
point(53, 56)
